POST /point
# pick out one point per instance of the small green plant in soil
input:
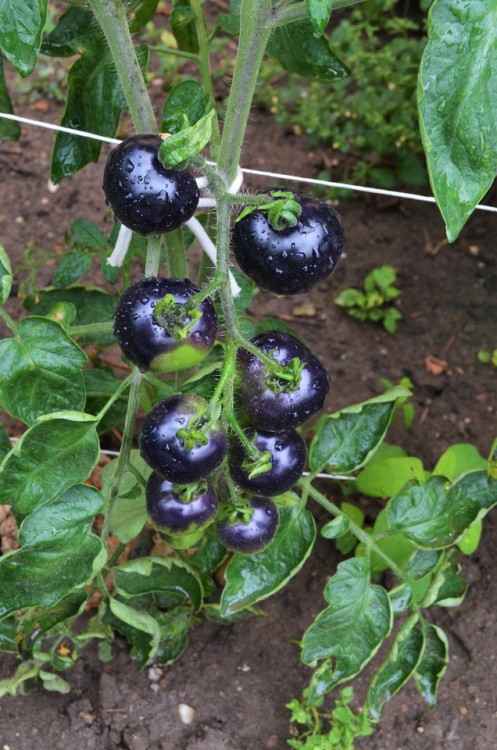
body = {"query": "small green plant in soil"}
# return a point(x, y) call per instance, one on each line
point(488, 357)
point(375, 301)
point(210, 406)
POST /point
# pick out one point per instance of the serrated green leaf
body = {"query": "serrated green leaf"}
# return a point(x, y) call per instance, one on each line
point(21, 27)
point(9, 129)
point(37, 621)
point(433, 664)
point(249, 579)
point(41, 370)
point(386, 477)
point(399, 666)
point(71, 268)
point(435, 516)
point(50, 457)
point(298, 51)
point(353, 626)
point(456, 98)
point(59, 553)
point(158, 575)
point(130, 511)
point(95, 101)
point(72, 33)
point(344, 441)
point(89, 234)
point(319, 13)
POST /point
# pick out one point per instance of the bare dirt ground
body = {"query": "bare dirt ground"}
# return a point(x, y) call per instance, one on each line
point(237, 678)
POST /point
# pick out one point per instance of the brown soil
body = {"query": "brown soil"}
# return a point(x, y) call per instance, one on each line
point(238, 678)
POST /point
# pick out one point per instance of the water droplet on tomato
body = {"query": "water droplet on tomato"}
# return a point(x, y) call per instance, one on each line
point(128, 165)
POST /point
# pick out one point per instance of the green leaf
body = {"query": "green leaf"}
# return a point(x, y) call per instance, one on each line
point(435, 516)
point(94, 103)
point(93, 305)
point(53, 682)
point(89, 234)
point(186, 143)
point(456, 100)
point(50, 457)
point(130, 511)
point(468, 543)
point(252, 578)
point(458, 459)
point(9, 129)
point(448, 588)
point(298, 51)
point(58, 553)
point(5, 274)
point(182, 20)
point(348, 541)
point(21, 27)
point(5, 444)
point(187, 102)
point(396, 546)
point(13, 685)
point(146, 641)
point(344, 441)
point(433, 664)
point(386, 477)
point(210, 554)
point(319, 13)
point(399, 666)
point(336, 528)
point(71, 267)
point(174, 631)
point(41, 370)
point(73, 32)
point(158, 575)
point(353, 626)
point(100, 385)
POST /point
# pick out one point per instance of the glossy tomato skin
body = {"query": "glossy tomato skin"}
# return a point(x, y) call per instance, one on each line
point(144, 195)
point(151, 346)
point(291, 260)
point(288, 458)
point(168, 452)
point(270, 410)
point(171, 513)
point(255, 535)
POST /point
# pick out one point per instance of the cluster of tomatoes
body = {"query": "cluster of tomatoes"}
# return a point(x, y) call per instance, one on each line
point(184, 439)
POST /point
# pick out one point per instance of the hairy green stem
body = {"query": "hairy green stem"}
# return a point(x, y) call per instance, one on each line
point(9, 321)
point(90, 329)
point(117, 393)
point(124, 453)
point(152, 262)
point(298, 12)
point(205, 69)
point(176, 255)
point(176, 53)
point(111, 16)
point(255, 16)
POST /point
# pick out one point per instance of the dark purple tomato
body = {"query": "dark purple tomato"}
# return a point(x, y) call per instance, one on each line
point(177, 345)
point(291, 260)
point(255, 533)
point(145, 196)
point(274, 404)
point(176, 443)
point(287, 456)
point(180, 510)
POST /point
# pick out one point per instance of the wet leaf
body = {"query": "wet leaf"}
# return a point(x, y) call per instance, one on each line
point(9, 129)
point(456, 100)
point(21, 27)
point(353, 626)
point(386, 477)
point(298, 51)
point(159, 575)
point(139, 627)
point(433, 664)
point(130, 512)
point(186, 103)
point(41, 370)
point(319, 12)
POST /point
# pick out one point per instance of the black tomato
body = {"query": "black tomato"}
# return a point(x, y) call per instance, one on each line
point(251, 534)
point(275, 403)
point(177, 345)
point(177, 445)
point(144, 195)
point(291, 260)
point(180, 510)
point(286, 453)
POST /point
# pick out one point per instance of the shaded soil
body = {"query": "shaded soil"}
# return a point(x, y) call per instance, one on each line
point(238, 678)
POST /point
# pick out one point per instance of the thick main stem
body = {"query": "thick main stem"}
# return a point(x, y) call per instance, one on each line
point(255, 18)
point(111, 17)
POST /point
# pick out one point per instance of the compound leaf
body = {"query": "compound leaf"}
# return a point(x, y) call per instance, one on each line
point(250, 578)
point(353, 626)
point(41, 370)
point(457, 89)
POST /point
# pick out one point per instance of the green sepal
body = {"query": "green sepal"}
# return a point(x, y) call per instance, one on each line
point(179, 148)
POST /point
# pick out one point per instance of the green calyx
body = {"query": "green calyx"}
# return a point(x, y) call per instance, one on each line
point(239, 513)
point(254, 467)
point(192, 437)
point(188, 492)
point(282, 211)
point(285, 378)
point(177, 319)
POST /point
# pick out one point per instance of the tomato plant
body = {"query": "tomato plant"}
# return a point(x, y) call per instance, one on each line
point(209, 453)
